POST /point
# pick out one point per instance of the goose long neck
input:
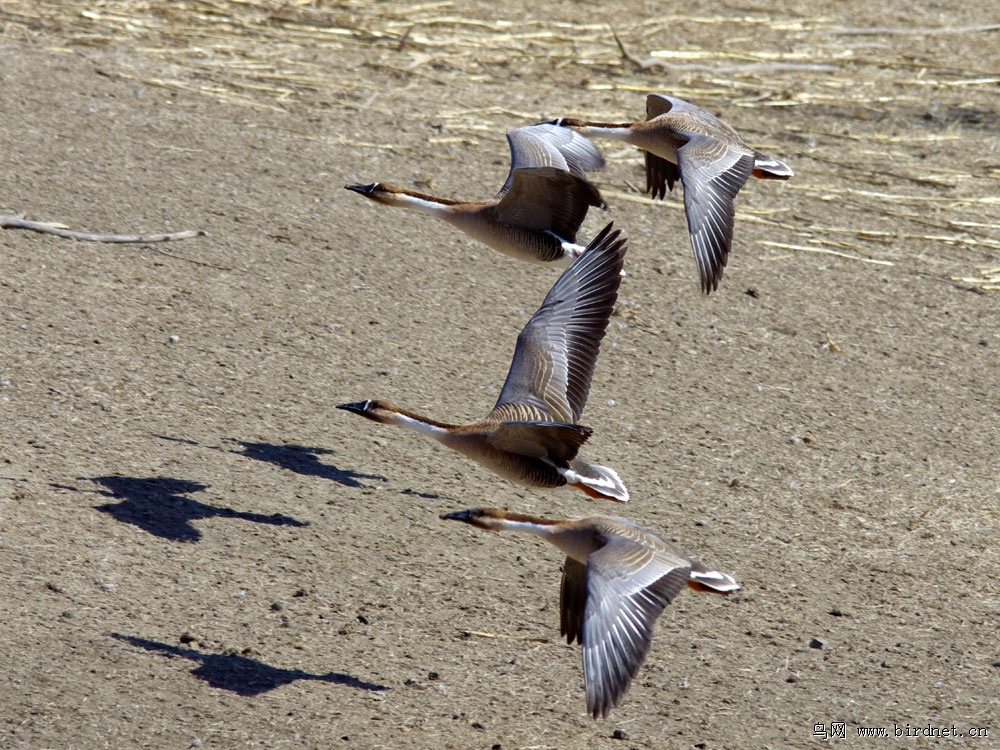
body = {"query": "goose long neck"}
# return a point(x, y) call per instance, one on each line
point(425, 204)
point(417, 423)
point(619, 131)
point(575, 539)
point(526, 524)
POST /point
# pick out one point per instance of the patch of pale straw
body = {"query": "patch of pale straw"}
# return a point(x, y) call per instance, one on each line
point(255, 50)
point(270, 54)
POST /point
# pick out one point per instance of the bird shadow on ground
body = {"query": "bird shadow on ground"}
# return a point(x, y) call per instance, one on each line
point(302, 460)
point(242, 674)
point(160, 506)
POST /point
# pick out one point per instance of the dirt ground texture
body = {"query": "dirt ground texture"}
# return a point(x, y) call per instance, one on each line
point(198, 550)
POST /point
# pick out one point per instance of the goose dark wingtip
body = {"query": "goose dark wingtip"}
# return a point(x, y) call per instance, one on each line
point(610, 596)
point(710, 283)
point(607, 236)
point(683, 142)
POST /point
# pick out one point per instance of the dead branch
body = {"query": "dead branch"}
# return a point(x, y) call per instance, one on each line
point(646, 63)
point(643, 63)
point(59, 230)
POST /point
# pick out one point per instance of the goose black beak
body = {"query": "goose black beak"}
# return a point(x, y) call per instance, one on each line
point(358, 407)
point(459, 515)
point(362, 189)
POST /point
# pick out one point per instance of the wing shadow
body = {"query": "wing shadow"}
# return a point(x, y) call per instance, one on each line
point(241, 674)
point(159, 506)
point(303, 460)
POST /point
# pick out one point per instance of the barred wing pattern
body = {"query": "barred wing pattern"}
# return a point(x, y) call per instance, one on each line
point(628, 587)
point(712, 173)
point(550, 441)
point(548, 199)
point(556, 351)
point(548, 145)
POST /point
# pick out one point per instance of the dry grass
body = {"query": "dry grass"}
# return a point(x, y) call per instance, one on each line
point(873, 110)
point(260, 53)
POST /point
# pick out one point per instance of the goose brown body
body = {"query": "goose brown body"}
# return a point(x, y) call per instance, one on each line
point(532, 435)
point(618, 577)
point(539, 210)
point(683, 141)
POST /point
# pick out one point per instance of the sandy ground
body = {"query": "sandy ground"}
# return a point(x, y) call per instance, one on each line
point(197, 549)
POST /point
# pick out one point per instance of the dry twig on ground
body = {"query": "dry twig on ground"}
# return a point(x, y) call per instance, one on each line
point(60, 230)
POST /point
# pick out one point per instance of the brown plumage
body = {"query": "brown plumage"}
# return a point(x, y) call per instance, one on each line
point(617, 579)
point(541, 206)
point(532, 435)
point(712, 161)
